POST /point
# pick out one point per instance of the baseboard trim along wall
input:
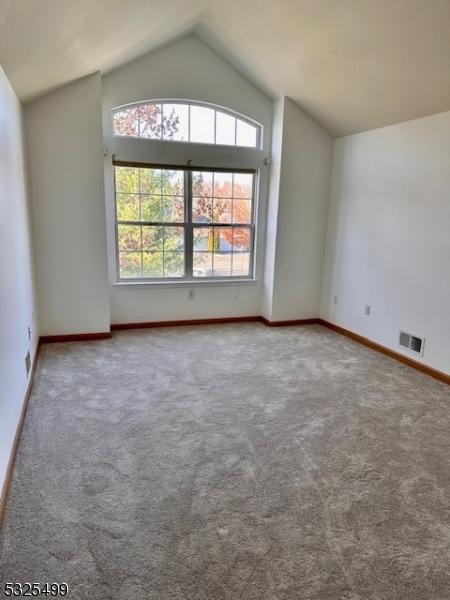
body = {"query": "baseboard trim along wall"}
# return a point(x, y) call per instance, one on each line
point(313, 321)
point(387, 352)
point(288, 323)
point(151, 324)
point(74, 337)
point(15, 446)
point(257, 319)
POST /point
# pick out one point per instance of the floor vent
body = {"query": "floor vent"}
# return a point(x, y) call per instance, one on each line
point(412, 342)
point(28, 363)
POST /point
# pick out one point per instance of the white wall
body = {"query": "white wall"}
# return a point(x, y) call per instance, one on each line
point(272, 209)
point(17, 306)
point(388, 240)
point(185, 69)
point(65, 156)
point(302, 206)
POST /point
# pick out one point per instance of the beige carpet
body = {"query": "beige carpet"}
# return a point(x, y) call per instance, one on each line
point(232, 462)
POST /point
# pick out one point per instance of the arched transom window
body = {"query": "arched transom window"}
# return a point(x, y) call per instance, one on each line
point(172, 120)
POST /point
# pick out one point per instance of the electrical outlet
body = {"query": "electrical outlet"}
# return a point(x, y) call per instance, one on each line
point(367, 310)
point(336, 299)
point(191, 295)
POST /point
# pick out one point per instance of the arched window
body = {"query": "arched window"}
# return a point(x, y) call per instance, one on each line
point(182, 121)
point(179, 222)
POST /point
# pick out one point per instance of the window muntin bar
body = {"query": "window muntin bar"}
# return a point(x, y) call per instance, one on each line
point(180, 223)
point(172, 120)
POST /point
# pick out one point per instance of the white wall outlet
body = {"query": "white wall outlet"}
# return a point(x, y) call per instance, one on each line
point(191, 294)
point(367, 310)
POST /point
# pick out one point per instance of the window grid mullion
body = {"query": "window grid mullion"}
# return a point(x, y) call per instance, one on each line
point(232, 198)
point(139, 126)
point(117, 226)
point(189, 122)
point(163, 251)
point(189, 227)
point(188, 230)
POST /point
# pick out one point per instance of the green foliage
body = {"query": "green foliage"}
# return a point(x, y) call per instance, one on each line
point(145, 197)
point(213, 243)
point(150, 209)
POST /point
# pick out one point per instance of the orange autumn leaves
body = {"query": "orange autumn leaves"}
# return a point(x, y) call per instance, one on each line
point(228, 201)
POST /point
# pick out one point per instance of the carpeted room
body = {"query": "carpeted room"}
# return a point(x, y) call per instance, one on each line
point(338, 196)
point(231, 461)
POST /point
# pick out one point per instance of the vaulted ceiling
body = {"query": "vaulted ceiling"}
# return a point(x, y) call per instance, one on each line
point(352, 65)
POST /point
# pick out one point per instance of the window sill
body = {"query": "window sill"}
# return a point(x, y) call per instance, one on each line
point(140, 285)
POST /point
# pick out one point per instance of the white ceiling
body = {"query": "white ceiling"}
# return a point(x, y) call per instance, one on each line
point(352, 65)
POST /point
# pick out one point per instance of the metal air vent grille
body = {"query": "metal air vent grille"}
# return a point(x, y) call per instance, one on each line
point(412, 342)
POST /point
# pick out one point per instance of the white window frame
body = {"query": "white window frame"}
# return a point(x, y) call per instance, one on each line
point(189, 226)
point(192, 104)
point(145, 151)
